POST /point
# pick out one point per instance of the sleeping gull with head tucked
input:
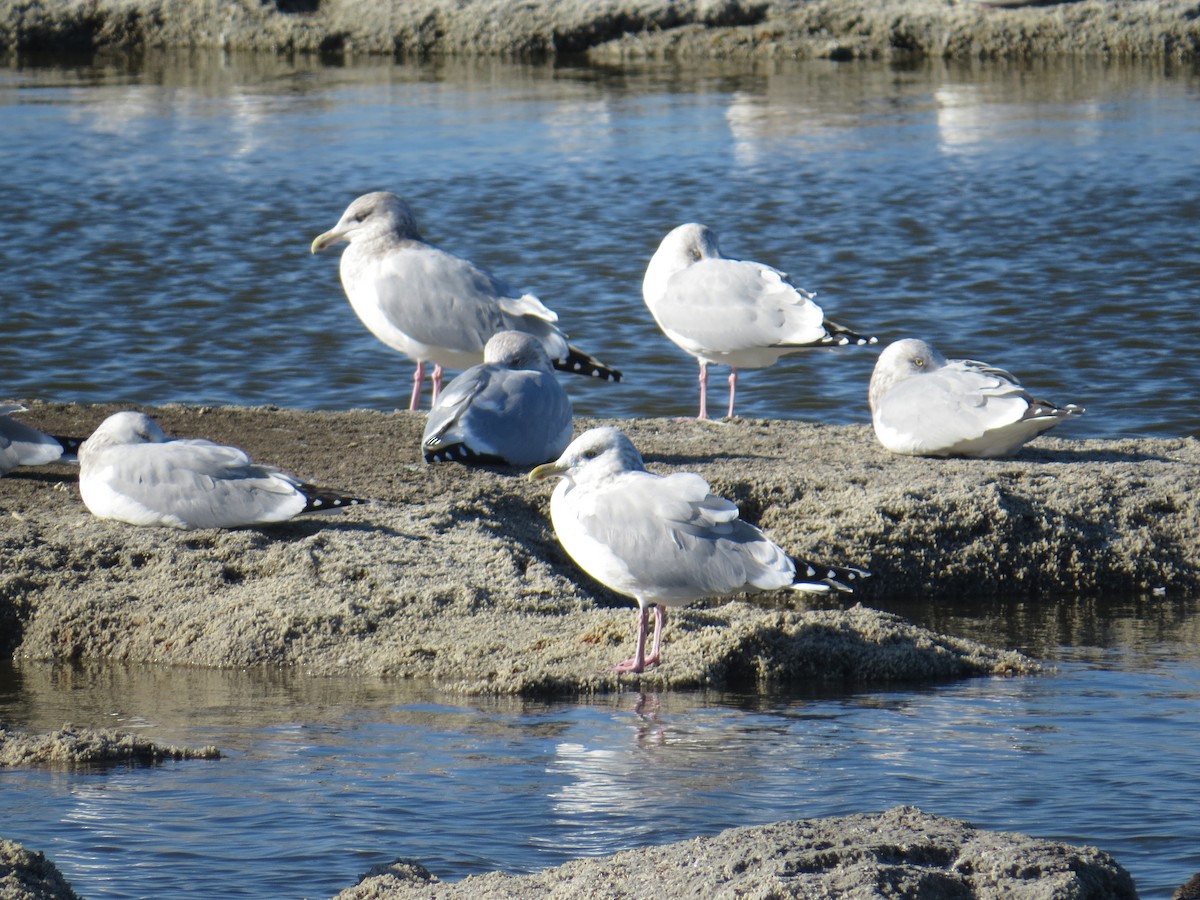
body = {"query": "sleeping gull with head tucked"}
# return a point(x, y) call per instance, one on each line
point(509, 410)
point(664, 541)
point(431, 305)
point(21, 445)
point(731, 312)
point(923, 404)
point(130, 471)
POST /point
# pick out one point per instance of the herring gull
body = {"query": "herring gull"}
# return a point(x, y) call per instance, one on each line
point(21, 445)
point(925, 405)
point(731, 312)
point(510, 409)
point(664, 541)
point(129, 470)
point(431, 305)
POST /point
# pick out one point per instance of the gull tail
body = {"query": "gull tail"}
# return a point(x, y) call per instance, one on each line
point(581, 363)
point(436, 451)
point(319, 499)
point(819, 579)
point(841, 335)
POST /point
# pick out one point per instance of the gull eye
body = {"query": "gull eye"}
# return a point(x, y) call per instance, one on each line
point(591, 454)
point(919, 362)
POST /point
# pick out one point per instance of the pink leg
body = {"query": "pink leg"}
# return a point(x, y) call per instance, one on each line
point(638, 662)
point(732, 389)
point(437, 382)
point(703, 390)
point(660, 619)
point(414, 402)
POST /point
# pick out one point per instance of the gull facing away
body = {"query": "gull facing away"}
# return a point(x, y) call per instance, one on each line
point(664, 541)
point(431, 305)
point(731, 312)
point(21, 445)
point(129, 470)
point(510, 409)
point(925, 405)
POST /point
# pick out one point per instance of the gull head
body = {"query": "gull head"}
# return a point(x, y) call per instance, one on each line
point(682, 247)
point(593, 456)
point(377, 215)
point(900, 361)
point(517, 350)
point(121, 429)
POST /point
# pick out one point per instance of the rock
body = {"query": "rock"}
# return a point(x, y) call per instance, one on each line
point(454, 573)
point(82, 746)
point(900, 853)
point(25, 875)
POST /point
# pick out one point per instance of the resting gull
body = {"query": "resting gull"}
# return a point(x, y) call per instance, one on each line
point(925, 405)
point(130, 471)
point(431, 305)
point(21, 445)
point(731, 312)
point(510, 409)
point(664, 541)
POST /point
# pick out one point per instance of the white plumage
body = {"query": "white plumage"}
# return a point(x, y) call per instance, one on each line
point(130, 471)
point(664, 541)
point(510, 409)
point(21, 445)
point(431, 305)
point(925, 405)
point(731, 312)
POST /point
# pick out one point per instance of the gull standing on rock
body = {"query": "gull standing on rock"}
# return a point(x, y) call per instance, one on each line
point(925, 405)
point(664, 541)
point(431, 305)
point(21, 445)
point(130, 471)
point(509, 410)
point(731, 312)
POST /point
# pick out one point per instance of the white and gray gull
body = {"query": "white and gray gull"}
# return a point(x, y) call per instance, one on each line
point(731, 312)
point(923, 404)
point(510, 409)
point(431, 305)
point(663, 540)
point(130, 471)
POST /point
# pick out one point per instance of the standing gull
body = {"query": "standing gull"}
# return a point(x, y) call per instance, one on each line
point(432, 305)
point(664, 541)
point(925, 405)
point(510, 409)
point(130, 471)
point(731, 312)
point(21, 445)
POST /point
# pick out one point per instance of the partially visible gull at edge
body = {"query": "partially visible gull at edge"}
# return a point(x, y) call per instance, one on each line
point(431, 305)
point(509, 410)
point(130, 471)
point(664, 541)
point(22, 445)
point(925, 405)
point(731, 312)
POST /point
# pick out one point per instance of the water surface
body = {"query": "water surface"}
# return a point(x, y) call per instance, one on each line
point(1039, 217)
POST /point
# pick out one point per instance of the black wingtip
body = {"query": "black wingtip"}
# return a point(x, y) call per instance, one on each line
point(318, 499)
point(579, 363)
point(461, 453)
point(840, 578)
point(70, 445)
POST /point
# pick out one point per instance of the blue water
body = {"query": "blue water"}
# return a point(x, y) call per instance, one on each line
point(1042, 218)
point(324, 778)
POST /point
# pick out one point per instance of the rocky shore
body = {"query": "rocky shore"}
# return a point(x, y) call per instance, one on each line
point(617, 30)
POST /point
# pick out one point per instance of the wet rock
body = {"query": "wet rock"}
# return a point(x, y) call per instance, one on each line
point(83, 746)
point(615, 30)
point(25, 875)
point(900, 853)
point(455, 574)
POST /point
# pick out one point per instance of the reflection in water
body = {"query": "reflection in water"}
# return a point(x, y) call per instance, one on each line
point(991, 209)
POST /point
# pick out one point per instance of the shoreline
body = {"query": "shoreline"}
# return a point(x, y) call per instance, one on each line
point(616, 32)
point(454, 574)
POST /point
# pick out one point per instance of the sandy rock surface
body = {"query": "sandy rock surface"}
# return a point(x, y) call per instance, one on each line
point(28, 875)
point(86, 746)
point(455, 574)
point(618, 30)
point(902, 853)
